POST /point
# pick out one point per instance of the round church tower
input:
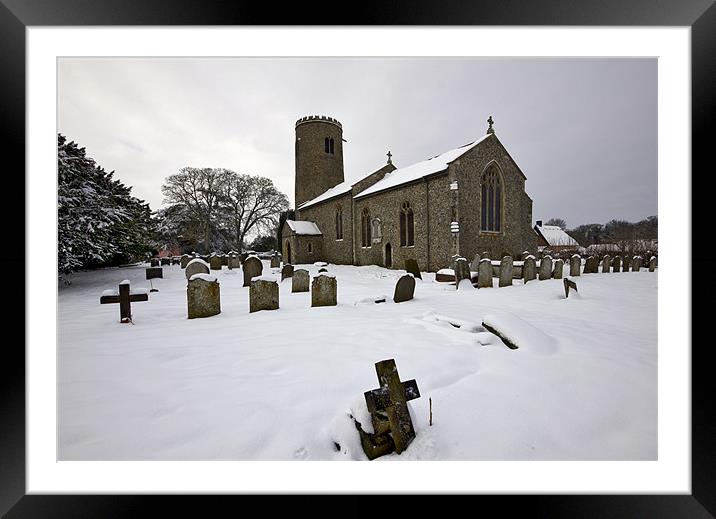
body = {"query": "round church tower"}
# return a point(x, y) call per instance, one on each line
point(319, 156)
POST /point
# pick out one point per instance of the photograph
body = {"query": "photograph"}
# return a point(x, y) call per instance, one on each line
point(357, 258)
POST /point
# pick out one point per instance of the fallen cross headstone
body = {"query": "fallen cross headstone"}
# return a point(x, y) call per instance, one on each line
point(388, 406)
point(124, 297)
point(568, 283)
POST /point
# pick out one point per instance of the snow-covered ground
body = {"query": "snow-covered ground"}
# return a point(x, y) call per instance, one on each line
point(280, 385)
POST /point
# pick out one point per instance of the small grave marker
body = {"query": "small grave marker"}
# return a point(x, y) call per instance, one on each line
point(568, 283)
point(124, 297)
point(154, 273)
point(411, 267)
point(404, 289)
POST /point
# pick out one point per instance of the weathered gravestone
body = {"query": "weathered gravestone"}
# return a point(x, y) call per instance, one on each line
point(575, 265)
point(545, 268)
point(252, 268)
point(475, 264)
point(215, 262)
point(165, 261)
point(176, 260)
point(203, 296)
point(617, 263)
point(263, 295)
point(506, 266)
point(286, 271)
point(636, 264)
point(154, 273)
point(568, 283)
point(184, 260)
point(154, 262)
point(462, 271)
point(404, 289)
point(529, 269)
point(558, 268)
point(225, 260)
point(322, 269)
point(525, 254)
point(484, 273)
point(275, 261)
point(411, 267)
point(626, 264)
point(124, 296)
point(196, 266)
point(652, 264)
point(606, 263)
point(233, 261)
point(324, 290)
point(388, 407)
point(300, 281)
point(590, 266)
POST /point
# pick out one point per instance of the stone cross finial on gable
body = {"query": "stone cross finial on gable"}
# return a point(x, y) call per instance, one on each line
point(390, 160)
point(490, 122)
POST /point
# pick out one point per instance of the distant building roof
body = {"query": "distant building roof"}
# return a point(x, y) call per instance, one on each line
point(420, 169)
point(555, 236)
point(304, 228)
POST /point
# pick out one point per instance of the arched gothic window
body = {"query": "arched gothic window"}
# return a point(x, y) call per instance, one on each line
point(365, 228)
point(491, 200)
point(407, 226)
point(339, 223)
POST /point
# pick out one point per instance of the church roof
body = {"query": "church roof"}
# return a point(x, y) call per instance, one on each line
point(304, 228)
point(421, 169)
point(337, 190)
point(555, 236)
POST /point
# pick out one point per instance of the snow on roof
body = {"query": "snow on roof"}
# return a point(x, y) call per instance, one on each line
point(554, 235)
point(340, 189)
point(420, 169)
point(304, 227)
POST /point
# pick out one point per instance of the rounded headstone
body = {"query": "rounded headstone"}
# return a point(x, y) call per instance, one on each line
point(617, 263)
point(184, 260)
point(652, 264)
point(252, 268)
point(404, 289)
point(636, 264)
point(475, 264)
point(506, 267)
point(558, 268)
point(484, 273)
point(215, 262)
point(286, 271)
point(545, 268)
point(324, 291)
point(575, 265)
point(529, 269)
point(606, 263)
point(462, 270)
point(196, 266)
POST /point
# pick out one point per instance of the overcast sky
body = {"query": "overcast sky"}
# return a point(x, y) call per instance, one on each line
point(584, 131)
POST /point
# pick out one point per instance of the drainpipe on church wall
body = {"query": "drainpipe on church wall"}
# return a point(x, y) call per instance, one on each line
point(427, 220)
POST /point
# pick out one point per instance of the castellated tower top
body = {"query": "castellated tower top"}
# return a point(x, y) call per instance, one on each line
point(319, 156)
point(319, 118)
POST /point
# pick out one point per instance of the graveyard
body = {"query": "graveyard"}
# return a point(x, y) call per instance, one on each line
point(282, 375)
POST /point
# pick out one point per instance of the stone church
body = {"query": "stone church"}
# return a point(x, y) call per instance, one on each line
point(467, 200)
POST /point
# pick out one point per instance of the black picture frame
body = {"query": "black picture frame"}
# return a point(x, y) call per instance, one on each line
point(16, 15)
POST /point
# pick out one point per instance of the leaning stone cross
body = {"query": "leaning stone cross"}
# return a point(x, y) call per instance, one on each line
point(388, 407)
point(124, 297)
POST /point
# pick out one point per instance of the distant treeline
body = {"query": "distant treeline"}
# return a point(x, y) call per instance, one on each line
point(615, 231)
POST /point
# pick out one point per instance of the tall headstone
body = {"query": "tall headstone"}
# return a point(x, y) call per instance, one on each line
point(558, 268)
point(529, 269)
point(606, 263)
point(636, 264)
point(300, 281)
point(590, 266)
point(575, 265)
point(411, 267)
point(627, 263)
point(652, 264)
point(202, 296)
point(475, 265)
point(196, 266)
point(462, 270)
point(404, 289)
point(275, 261)
point(252, 268)
point(484, 273)
point(263, 295)
point(545, 268)
point(506, 266)
point(215, 262)
point(324, 290)
point(617, 263)
point(185, 258)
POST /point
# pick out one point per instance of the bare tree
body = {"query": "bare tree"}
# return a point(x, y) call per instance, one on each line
point(559, 222)
point(250, 203)
point(199, 190)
